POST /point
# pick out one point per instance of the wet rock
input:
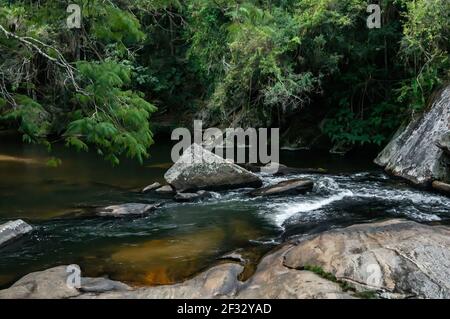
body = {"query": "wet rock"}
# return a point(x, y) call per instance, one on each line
point(444, 143)
point(413, 153)
point(251, 167)
point(281, 170)
point(272, 279)
point(54, 283)
point(289, 187)
point(101, 285)
point(198, 169)
point(278, 169)
point(128, 209)
point(395, 256)
point(151, 187)
point(165, 190)
point(190, 197)
point(234, 256)
point(47, 284)
point(13, 230)
point(441, 187)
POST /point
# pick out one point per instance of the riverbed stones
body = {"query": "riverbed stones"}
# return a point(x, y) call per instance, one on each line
point(413, 153)
point(128, 209)
point(200, 169)
point(394, 256)
point(165, 190)
point(289, 187)
point(190, 197)
point(151, 187)
point(13, 230)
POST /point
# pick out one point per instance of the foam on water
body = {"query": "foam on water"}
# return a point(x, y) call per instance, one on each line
point(330, 190)
point(286, 211)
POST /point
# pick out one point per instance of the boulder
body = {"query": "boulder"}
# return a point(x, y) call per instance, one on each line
point(274, 280)
point(47, 284)
point(129, 209)
point(444, 143)
point(413, 153)
point(165, 190)
point(289, 187)
point(198, 169)
point(13, 230)
point(395, 256)
point(53, 283)
point(190, 197)
point(151, 187)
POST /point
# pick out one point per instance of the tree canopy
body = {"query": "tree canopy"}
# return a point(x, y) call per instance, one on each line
point(229, 62)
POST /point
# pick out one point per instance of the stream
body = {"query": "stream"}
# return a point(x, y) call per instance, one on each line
point(180, 239)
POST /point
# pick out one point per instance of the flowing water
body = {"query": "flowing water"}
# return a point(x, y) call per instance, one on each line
point(179, 240)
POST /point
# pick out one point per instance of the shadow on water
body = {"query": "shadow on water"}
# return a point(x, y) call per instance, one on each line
point(179, 240)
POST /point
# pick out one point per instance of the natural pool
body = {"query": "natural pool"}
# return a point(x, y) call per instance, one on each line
point(178, 240)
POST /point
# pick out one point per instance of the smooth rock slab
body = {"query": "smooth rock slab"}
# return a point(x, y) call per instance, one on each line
point(200, 169)
point(101, 285)
point(396, 256)
point(47, 284)
point(128, 209)
point(289, 187)
point(13, 230)
point(413, 153)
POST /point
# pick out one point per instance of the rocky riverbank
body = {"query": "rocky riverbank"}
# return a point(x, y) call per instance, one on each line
point(389, 259)
point(419, 152)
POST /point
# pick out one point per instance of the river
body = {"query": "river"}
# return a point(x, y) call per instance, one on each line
point(179, 240)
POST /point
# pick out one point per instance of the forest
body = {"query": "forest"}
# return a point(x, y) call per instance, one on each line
point(133, 68)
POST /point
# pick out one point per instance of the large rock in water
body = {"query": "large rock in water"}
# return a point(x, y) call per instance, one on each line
point(198, 169)
point(396, 256)
point(53, 284)
point(13, 230)
point(289, 187)
point(414, 153)
point(128, 209)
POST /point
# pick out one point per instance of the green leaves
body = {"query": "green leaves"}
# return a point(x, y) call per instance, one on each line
point(114, 120)
point(32, 119)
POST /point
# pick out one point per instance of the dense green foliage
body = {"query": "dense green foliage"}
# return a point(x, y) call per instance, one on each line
point(229, 62)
